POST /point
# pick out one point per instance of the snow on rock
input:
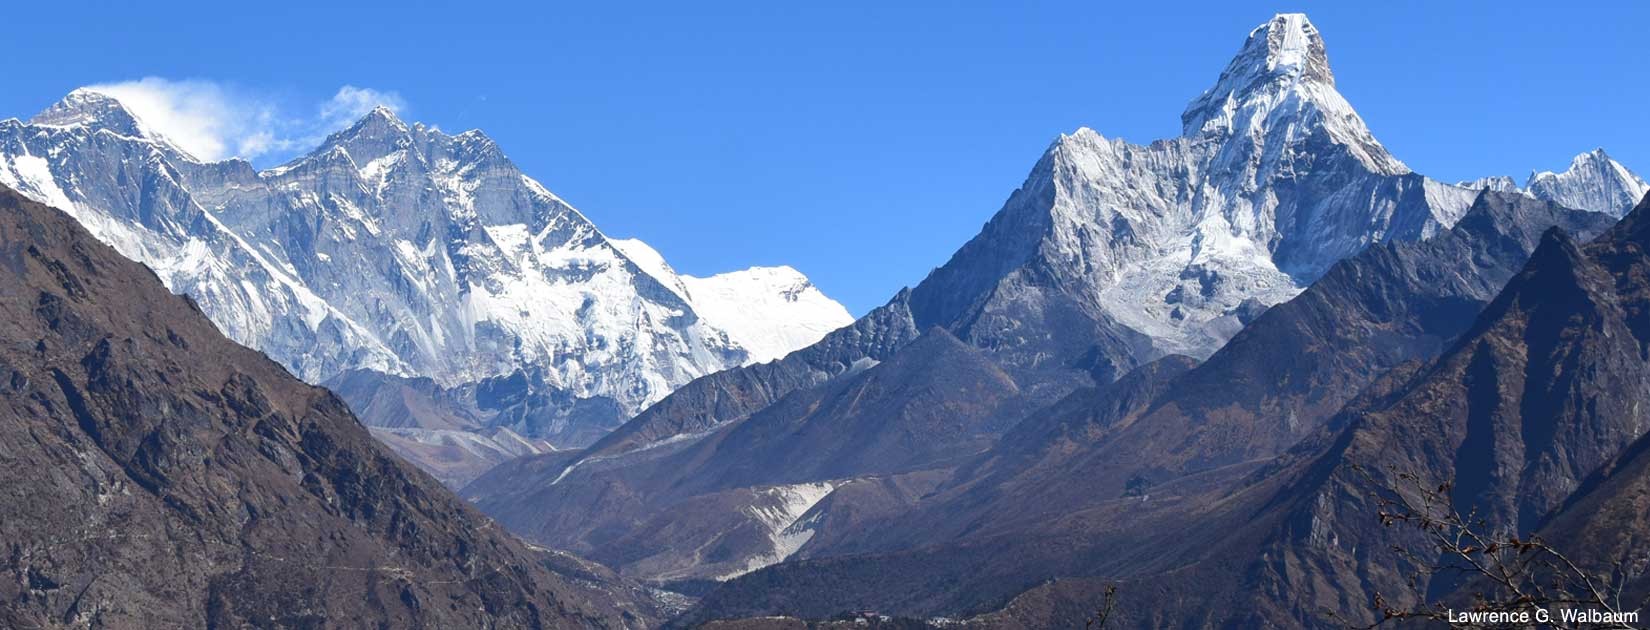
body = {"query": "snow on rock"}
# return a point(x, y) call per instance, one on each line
point(769, 311)
point(1281, 73)
point(782, 513)
point(398, 248)
point(1497, 183)
point(1275, 179)
point(1593, 181)
point(653, 263)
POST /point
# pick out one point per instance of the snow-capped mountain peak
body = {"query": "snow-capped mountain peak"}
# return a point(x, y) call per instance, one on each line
point(1279, 87)
point(397, 248)
point(1173, 246)
point(1497, 183)
point(1594, 181)
point(89, 109)
point(376, 135)
point(1287, 46)
point(770, 311)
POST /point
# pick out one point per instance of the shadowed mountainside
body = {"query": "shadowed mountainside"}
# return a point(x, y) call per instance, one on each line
point(157, 474)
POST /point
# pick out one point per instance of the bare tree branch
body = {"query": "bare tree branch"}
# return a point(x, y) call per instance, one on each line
point(1102, 616)
point(1524, 574)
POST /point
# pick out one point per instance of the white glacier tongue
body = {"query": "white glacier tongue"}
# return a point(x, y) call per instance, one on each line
point(397, 248)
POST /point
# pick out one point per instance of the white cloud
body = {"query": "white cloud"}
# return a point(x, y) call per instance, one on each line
point(212, 121)
point(351, 103)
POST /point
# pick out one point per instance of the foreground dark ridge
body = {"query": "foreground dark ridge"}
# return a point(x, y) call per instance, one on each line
point(156, 474)
point(1537, 393)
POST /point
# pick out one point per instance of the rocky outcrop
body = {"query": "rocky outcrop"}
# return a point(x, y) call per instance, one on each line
point(157, 474)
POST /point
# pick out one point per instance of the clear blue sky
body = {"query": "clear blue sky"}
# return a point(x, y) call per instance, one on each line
point(859, 142)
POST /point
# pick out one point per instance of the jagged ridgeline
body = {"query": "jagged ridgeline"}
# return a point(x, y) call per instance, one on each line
point(159, 475)
point(1185, 367)
point(1126, 341)
point(399, 249)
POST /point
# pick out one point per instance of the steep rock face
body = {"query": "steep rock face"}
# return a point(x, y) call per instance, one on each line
point(158, 475)
point(1155, 248)
point(731, 395)
point(1533, 401)
point(1112, 255)
point(1593, 181)
point(1603, 526)
point(697, 507)
point(457, 457)
point(1078, 488)
point(401, 249)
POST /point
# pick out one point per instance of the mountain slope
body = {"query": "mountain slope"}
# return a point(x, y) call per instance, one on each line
point(685, 509)
point(1111, 255)
point(1529, 417)
point(1076, 488)
point(158, 474)
point(1517, 415)
point(400, 249)
point(1157, 247)
point(1593, 181)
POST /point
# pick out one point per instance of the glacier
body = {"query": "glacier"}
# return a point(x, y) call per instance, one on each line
point(403, 250)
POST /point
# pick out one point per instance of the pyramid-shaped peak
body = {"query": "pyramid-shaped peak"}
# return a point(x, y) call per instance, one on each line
point(379, 119)
point(1279, 85)
point(1282, 53)
point(95, 109)
point(1593, 181)
point(377, 134)
point(1289, 43)
point(87, 106)
point(1582, 161)
point(381, 113)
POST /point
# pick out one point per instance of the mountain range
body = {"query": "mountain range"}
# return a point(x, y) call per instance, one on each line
point(1142, 314)
point(1196, 375)
point(159, 475)
point(405, 252)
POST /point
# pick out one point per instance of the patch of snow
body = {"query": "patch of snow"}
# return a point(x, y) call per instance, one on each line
point(781, 512)
point(769, 311)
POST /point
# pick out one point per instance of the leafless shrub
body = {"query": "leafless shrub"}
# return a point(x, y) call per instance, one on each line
point(1102, 615)
point(1520, 575)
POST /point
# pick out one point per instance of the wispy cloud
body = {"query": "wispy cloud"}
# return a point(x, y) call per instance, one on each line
point(214, 121)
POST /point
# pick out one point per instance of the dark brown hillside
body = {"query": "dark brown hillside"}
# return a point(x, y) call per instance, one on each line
point(154, 474)
point(692, 508)
point(1281, 379)
point(1541, 388)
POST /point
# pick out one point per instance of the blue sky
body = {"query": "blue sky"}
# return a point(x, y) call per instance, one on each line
point(859, 142)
